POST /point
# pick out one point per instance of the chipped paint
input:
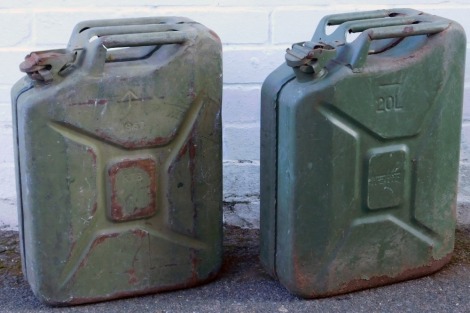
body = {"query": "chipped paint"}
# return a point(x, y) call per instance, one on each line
point(119, 241)
point(358, 189)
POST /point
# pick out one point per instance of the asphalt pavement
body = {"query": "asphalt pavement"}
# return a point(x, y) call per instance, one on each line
point(243, 286)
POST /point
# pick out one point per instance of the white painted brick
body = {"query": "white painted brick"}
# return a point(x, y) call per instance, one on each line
point(5, 116)
point(241, 142)
point(43, 4)
point(466, 103)
point(7, 181)
point(15, 28)
point(251, 65)
point(8, 214)
point(270, 3)
point(391, 3)
point(465, 144)
point(233, 25)
point(241, 104)
point(255, 35)
point(6, 151)
point(463, 213)
point(8, 4)
point(291, 25)
point(5, 94)
point(9, 62)
point(460, 15)
point(241, 180)
point(55, 28)
point(467, 66)
point(464, 182)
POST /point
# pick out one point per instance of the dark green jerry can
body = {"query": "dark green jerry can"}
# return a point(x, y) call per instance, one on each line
point(360, 152)
point(118, 149)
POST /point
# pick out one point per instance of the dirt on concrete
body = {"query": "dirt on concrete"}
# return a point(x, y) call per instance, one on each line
point(462, 245)
point(10, 260)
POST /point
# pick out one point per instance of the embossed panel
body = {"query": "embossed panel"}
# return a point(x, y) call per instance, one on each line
point(132, 189)
point(386, 178)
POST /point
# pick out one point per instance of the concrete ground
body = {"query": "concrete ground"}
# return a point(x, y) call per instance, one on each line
point(243, 286)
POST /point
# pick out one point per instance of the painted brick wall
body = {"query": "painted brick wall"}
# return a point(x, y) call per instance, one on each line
point(255, 34)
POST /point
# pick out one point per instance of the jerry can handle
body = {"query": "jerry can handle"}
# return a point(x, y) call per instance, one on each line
point(374, 25)
point(95, 56)
point(167, 20)
point(136, 22)
point(83, 38)
point(356, 53)
point(337, 19)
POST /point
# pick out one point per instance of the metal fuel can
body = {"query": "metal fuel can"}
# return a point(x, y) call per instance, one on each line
point(119, 160)
point(360, 142)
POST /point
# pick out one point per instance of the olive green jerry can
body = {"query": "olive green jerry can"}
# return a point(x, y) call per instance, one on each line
point(119, 160)
point(360, 152)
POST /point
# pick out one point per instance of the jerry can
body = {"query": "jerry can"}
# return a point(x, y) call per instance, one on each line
point(118, 160)
point(360, 147)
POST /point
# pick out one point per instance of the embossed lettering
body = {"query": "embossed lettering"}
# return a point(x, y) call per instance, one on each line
point(133, 126)
point(388, 101)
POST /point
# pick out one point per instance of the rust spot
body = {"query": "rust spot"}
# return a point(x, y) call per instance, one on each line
point(117, 211)
point(192, 150)
point(98, 241)
point(93, 155)
point(188, 146)
point(127, 99)
point(132, 276)
point(406, 274)
point(301, 279)
point(133, 144)
point(408, 29)
point(183, 151)
point(139, 233)
point(91, 102)
point(133, 293)
point(194, 266)
point(214, 34)
point(94, 208)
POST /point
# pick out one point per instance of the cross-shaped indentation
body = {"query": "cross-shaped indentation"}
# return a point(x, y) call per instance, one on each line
point(109, 156)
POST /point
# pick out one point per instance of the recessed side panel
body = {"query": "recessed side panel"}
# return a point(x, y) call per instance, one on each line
point(132, 189)
point(386, 174)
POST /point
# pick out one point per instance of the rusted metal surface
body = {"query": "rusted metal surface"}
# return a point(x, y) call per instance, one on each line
point(146, 171)
point(406, 274)
point(38, 65)
point(360, 151)
point(120, 150)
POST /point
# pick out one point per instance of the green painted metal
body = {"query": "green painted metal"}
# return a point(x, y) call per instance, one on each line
point(119, 160)
point(359, 155)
